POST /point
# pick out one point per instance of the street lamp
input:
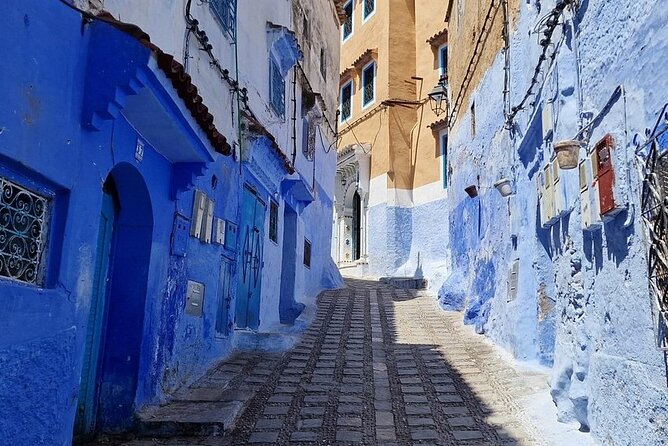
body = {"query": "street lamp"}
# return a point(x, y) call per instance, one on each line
point(438, 97)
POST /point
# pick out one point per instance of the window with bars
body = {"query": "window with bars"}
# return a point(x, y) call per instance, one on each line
point(346, 101)
point(307, 253)
point(347, 28)
point(273, 221)
point(225, 13)
point(308, 138)
point(276, 88)
point(369, 7)
point(24, 218)
point(369, 83)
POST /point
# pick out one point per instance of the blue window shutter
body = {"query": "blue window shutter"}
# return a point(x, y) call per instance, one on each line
point(277, 86)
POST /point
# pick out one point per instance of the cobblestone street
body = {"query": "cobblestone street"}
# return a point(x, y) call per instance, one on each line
point(378, 366)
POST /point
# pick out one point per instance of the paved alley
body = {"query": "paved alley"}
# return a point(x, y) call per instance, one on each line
point(378, 366)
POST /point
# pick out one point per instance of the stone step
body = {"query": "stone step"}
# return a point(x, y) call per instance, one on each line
point(406, 283)
point(209, 407)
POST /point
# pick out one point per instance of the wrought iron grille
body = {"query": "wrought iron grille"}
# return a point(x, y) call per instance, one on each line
point(369, 6)
point(348, 24)
point(23, 230)
point(368, 91)
point(655, 217)
point(277, 89)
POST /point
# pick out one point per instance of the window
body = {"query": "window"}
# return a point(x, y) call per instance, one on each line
point(369, 8)
point(305, 30)
point(323, 63)
point(473, 123)
point(444, 159)
point(273, 221)
point(24, 218)
point(368, 84)
point(443, 60)
point(276, 88)
point(307, 253)
point(224, 11)
point(347, 28)
point(346, 101)
point(308, 138)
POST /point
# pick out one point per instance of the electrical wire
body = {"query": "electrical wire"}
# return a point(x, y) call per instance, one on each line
point(551, 22)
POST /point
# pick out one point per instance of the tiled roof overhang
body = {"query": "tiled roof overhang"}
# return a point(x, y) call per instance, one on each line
point(438, 125)
point(181, 81)
point(256, 127)
point(366, 57)
point(345, 74)
point(340, 12)
point(439, 38)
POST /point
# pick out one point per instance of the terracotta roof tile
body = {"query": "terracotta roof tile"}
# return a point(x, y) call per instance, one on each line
point(181, 81)
point(439, 38)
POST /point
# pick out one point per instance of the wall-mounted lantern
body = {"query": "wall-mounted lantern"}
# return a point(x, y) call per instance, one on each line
point(438, 97)
point(472, 191)
point(568, 153)
point(504, 187)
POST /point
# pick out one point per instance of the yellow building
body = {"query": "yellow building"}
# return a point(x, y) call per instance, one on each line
point(392, 155)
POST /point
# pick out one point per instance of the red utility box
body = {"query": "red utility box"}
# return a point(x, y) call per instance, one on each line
point(605, 173)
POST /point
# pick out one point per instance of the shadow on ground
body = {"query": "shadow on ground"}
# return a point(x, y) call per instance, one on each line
point(377, 366)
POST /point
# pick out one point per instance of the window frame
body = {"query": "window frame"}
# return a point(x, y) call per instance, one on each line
point(273, 221)
point(443, 67)
point(345, 38)
point(274, 68)
point(366, 15)
point(350, 83)
point(371, 64)
point(217, 7)
point(443, 154)
point(51, 229)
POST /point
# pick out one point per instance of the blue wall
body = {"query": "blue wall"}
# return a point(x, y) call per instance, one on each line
point(43, 144)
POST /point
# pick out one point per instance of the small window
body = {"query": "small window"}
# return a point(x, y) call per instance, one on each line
point(24, 221)
point(277, 88)
point(369, 8)
point(273, 221)
point(308, 138)
point(443, 60)
point(444, 159)
point(323, 63)
point(224, 11)
point(369, 83)
point(346, 101)
point(473, 123)
point(347, 28)
point(305, 30)
point(307, 253)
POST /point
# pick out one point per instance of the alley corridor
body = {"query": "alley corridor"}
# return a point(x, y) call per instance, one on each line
point(378, 365)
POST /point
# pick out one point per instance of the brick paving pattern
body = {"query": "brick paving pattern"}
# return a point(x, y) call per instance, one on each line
point(378, 366)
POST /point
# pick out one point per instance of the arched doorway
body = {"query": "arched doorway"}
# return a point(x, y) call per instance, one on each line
point(116, 322)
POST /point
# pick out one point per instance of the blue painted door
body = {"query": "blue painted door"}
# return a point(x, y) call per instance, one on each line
point(88, 391)
point(250, 261)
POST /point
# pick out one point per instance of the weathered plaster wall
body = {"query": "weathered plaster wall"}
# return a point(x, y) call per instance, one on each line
point(582, 305)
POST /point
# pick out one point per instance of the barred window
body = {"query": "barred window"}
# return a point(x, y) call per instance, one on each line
point(347, 28)
point(24, 217)
point(277, 88)
point(225, 13)
point(369, 7)
point(369, 83)
point(308, 138)
point(346, 101)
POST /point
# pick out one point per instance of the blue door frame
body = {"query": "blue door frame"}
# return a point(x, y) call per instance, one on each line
point(249, 284)
point(89, 389)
